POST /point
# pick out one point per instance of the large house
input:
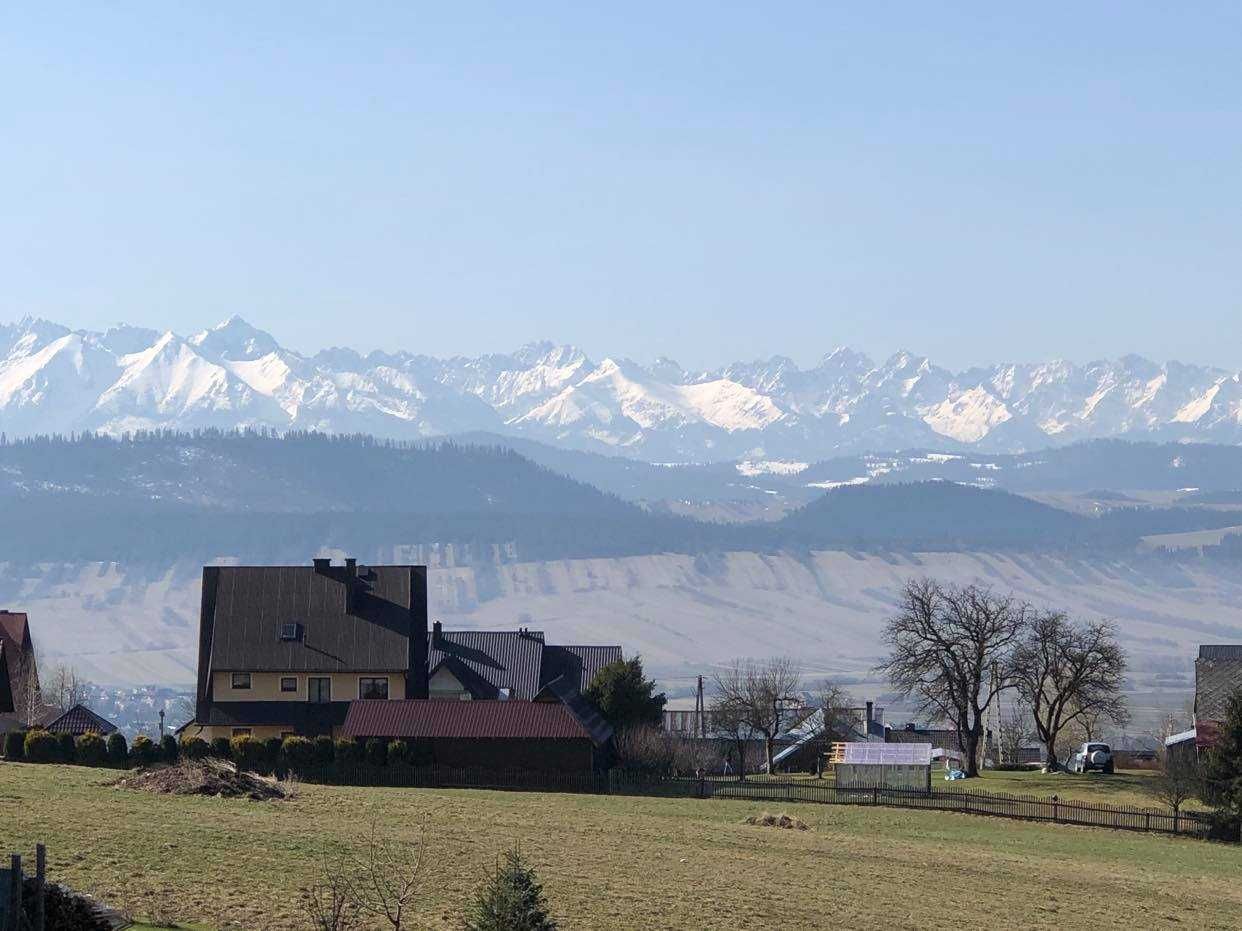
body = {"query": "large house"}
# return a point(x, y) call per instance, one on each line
point(289, 649)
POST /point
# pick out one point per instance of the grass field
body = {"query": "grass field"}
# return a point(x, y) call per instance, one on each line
point(612, 862)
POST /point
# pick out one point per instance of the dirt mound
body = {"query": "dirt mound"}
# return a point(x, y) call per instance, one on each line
point(206, 777)
point(778, 821)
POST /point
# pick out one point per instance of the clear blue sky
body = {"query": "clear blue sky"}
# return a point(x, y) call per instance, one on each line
point(708, 181)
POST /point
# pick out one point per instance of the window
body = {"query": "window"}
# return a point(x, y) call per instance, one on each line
point(241, 732)
point(288, 683)
point(241, 680)
point(373, 688)
point(290, 631)
point(319, 689)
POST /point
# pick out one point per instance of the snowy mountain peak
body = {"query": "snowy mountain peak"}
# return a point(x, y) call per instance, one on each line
point(234, 339)
point(53, 379)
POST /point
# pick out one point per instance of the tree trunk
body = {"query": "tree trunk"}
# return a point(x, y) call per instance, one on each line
point(1051, 763)
point(741, 761)
point(971, 750)
point(768, 743)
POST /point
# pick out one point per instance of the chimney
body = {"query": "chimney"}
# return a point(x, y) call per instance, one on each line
point(870, 716)
point(436, 629)
point(351, 569)
point(416, 677)
point(350, 580)
point(321, 565)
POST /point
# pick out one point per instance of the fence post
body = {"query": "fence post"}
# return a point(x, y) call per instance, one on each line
point(875, 796)
point(15, 890)
point(1147, 821)
point(1175, 821)
point(40, 886)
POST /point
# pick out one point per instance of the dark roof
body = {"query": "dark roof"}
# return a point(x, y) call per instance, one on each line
point(487, 660)
point(303, 716)
point(565, 691)
point(15, 633)
point(1220, 651)
point(1218, 674)
point(577, 664)
point(248, 604)
point(943, 737)
point(470, 720)
point(79, 720)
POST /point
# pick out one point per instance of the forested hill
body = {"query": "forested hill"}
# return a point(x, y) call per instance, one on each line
point(270, 498)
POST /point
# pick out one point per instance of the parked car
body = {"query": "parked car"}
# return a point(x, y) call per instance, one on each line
point(1092, 756)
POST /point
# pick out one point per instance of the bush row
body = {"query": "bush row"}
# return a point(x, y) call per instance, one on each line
point(40, 746)
point(272, 755)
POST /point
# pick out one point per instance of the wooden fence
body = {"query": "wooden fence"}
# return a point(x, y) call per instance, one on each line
point(12, 886)
point(772, 789)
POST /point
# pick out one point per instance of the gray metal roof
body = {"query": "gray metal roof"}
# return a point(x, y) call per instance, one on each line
point(249, 604)
point(488, 660)
point(1220, 651)
point(1218, 674)
point(577, 664)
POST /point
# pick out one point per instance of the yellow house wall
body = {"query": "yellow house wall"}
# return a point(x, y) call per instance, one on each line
point(265, 686)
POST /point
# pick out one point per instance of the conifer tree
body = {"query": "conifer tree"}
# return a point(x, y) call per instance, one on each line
point(512, 900)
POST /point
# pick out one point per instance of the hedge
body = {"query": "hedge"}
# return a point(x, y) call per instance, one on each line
point(40, 747)
point(118, 750)
point(14, 745)
point(143, 752)
point(91, 750)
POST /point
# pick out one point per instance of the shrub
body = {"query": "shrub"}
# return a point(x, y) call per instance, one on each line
point(143, 752)
point(222, 748)
point(91, 750)
point(40, 747)
point(195, 748)
point(247, 753)
point(14, 745)
point(377, 752)
point(348, 751)
point(118, 750)
point(273, 759)
point(645, 750)
point(512, 900)
point(398, 752)
point(169, 749)
point(298, 753)
point(66, 747)
point(325, 750)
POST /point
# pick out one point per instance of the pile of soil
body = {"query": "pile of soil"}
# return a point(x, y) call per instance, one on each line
point(206, 777)
point(778, 821)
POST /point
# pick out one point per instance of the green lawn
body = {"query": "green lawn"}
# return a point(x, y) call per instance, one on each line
point(613, 862)
point(1125, 787)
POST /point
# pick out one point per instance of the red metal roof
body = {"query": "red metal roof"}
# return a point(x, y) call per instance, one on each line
point(479, 720)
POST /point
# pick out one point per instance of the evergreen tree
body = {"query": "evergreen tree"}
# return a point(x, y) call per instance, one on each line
point(624, 697)
point(1222, 769)
point(512, 901)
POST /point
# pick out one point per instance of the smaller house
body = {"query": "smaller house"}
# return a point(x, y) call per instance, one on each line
point(542, 736)
point(77, 721)
point(803, 746)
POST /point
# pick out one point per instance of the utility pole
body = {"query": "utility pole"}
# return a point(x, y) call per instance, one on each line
point(700, 717)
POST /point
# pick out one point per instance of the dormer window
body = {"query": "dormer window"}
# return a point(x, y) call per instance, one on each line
point(290, 632)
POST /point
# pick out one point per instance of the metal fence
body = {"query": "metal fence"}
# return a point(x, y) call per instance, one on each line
point(771, 789)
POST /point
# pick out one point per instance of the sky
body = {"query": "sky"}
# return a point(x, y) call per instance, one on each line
point(704, 181)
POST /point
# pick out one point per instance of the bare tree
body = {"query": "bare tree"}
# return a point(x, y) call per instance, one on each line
point(64, 688)
point(27, 695)
point(752, 694)
point(327, 902)
point(1180, 777)
point(834, 718)
point(1069, 674)
point(729, 720)
point(943, 644)
point(1014, 728)
point(386, 878)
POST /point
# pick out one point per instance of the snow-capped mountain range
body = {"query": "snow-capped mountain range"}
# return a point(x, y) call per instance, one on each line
point(57, 380)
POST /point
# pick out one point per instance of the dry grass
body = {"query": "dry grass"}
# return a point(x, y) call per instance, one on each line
point(610, 862)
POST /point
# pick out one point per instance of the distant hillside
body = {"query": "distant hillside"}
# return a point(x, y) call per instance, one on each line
point(268, 498)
